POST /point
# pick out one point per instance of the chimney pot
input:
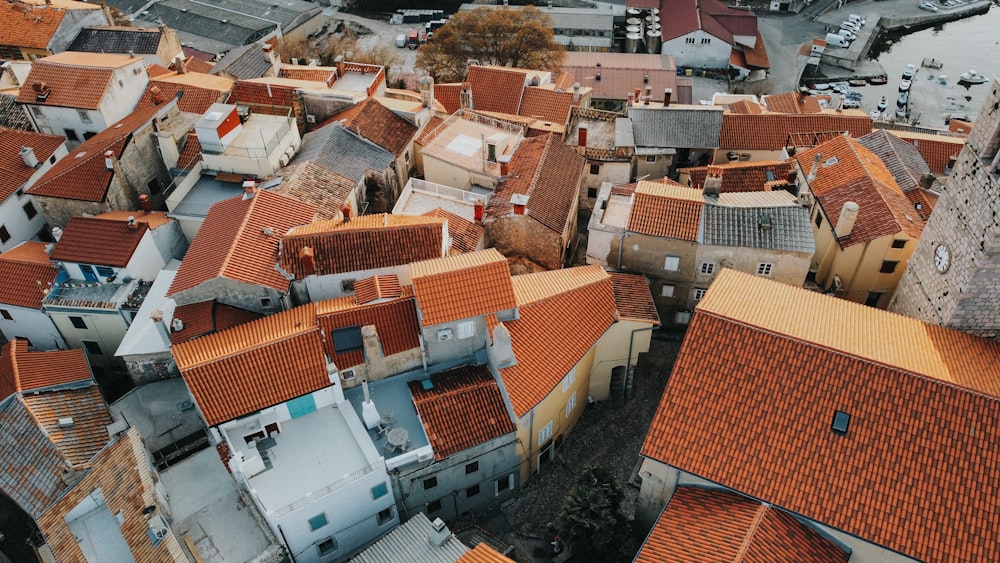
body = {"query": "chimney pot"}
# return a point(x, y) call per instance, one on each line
point(667, 93)
point(345, 212)
point(28, 155)
point(144, 203)
point(504, 161)
point(478, 210)
point(249, 187)
point(845, 224)
point(109, 160)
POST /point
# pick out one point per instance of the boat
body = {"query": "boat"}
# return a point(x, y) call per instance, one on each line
point(904, 85)
point(972, 77)
point(882, 104)
point(853, 95)
point(857, 82)
point(875, 115)
point(851, 104)
point(908, 73)
point(880, 79)
point(821, 87)
point(903, 99)
point(932, 63)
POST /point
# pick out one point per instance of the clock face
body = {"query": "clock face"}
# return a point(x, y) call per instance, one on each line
point(942, 258)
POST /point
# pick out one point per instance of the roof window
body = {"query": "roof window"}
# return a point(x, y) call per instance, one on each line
point(831, 161)
point(841, 420)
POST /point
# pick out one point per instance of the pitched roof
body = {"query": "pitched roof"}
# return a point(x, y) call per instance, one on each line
point(89, 433)
point(13, 171)
point(254, 365)
point(483, 553)
point(408, 543)
point(770, 131)
point(547, 171)
point(851, 172)
point(666, 210)
point(27, 26)
point(711, 16)
point(239, 240)
point(582, 298)
point(343, 152)
point(190, 153)
point(903, 160)
point(324, 74)
point(462, 408)
point(432, 124)
point(263, 97)
point(75, 80)
point(496, 89)
point(462, 286)
point(449, 95)
point(32, 463)
point(110, 39)
point(937, 150)
point(633, 299)
point(367, 242)
point(465, 235)
point(23, 280)
point(12, 113)
point(21, 370)
point(376, 288)
point(547, 105)
point(791, 102)
point(311, 183)
point(742, 176)
point(83, 174)
point(622, 72)
point(715, 525)
point(207, 317)
point(88, 240)
point(922, 401)
point(778, 227)
point(676, 126)
point(378, 124)
point(248, 61)
point(195, 92)
point(394, 319)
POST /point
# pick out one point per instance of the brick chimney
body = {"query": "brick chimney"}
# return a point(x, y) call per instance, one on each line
point(667, 93)
point(181, 64)
point(249, 187)
point(157, 95)
point(504, 161)
point(308, 259)
point(713, 181)
point(144, 203)
point(345, 212)
point(339, 62)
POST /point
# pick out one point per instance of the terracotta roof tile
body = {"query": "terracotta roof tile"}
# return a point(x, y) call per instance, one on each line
point(208, 317)
point(547, 105)
point(14, 173)
point(483, 553)
point(376, 288)
point(792, 102)
point(547, 171)
point(715, 525)
point(902, 159)
point(923, 201)
point(587, 307)
point(466, 236)
point(190, 153)
point(745, 107)
point(32, 463)
point(89, 433)
point(622, 72)
point(496, 88)
point(75, 80)
point(756, 56)
point(26, 26)
point(254, 365)
point(23, 281)
point(195, 64)
point(464, 408)
point(314, 184)
point(154, 219)
point(200, 91)
point(239, 240)
point(154, 70)
point(363, 243)
point(770, 131)
point(449, 95)
point(395, 321)
point(462, 286)
point(633, 298)
point(743, 176)
point(88, 240)
point(377, 123)
point(937, 150)
point(263, 97)
point(432, 124)
point(666, 210)
point(33, 371)
point(922, 400)
point(529, 288)
point(324, 74)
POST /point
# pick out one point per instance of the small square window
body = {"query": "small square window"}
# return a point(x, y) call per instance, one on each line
point(326, 547)
point(434, 506)
point(570, 405)
point(347, 285)
point(6, 314)
point(317, 522)
point(764, 268)
point(899, 243)
point(505, 483)
point(650, 158)
point(667, 290)
point(105, 272)
point(265, 302)
point(472, 491)
point(406, 156)
point(84, 115)
point(78, 322)
point(471, 467)
point(71, 134)
point(707, 267)
point(4, 234)
point(430, 483)
point(384, 517)
point(682, 317)
point(595, 169)
point(29, 210)
point(888, 266)
point(592, 193)
point(153, 186)
point(697, 294)
point(819, 220)
point(672, 263)
point(52, 159)
point(380, 490)
point(92, 347)
point(841, 421)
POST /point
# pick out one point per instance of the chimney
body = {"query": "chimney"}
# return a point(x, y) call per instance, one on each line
point(637, 94)
point(814, 167)
point(576, 92)
point(249, 187)
point(109, 160)
point(157, 94)
point(308, 260)
point(713, 181)
point(181, 65)
point(630, 99)
point(131, 54)
point(649, 94)
point(345, 212)
point(439, 533)
point(645, 78)
point(478, 210)
point(845, 224)
point(793, 175)
point(28, 155)
point(465, 96)
point(667, 93)
point(426, 86)
point(520, 202)
point(581, 135)
point(339, 62)
point(144, 203)
point(157, 317)
point(176, 325)
point(56, 233)
point(132, 224)
point(42, 91)
point(504, 161)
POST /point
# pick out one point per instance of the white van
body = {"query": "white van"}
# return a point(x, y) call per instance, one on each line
point(856, 19)
point(837, 40)
point(401, 40)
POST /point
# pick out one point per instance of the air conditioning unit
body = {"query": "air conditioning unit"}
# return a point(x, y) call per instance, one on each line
point(444, 334)
point(310, 118)
point(347, 375)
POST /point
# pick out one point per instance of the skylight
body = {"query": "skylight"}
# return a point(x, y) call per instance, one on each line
point(841, 420)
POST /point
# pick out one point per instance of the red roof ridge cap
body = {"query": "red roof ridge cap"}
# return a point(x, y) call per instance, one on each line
point(465, 388)
point(237, 351)
point(758, 517)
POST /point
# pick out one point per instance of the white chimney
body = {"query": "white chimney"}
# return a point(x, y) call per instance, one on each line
point(576, 92)
point(28, 155)
point(439, 533)
point(56, 233)
point(814, 167)
point(176, 325)
point(845, 224)
point(368, 411)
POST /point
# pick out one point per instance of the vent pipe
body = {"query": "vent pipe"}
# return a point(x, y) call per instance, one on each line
point(845, 224)
point(814, 167)
point(29, 158)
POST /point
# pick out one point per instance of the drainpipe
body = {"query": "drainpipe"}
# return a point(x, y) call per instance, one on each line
point(621, 244)
point(285, 541)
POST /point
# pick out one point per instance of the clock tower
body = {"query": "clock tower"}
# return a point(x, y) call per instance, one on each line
point(953, 276)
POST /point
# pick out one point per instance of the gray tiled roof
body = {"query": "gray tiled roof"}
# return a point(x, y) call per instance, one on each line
point(12, 114)
point(340, 151)
point(116, 40)
point(248, 61)
point(200, 19)
point(31, 462)
point(676, 127)
point(741, 226)
point(903, 160)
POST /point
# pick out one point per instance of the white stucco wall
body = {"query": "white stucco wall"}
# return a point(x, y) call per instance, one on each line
point(714, 54)
point(32, 324)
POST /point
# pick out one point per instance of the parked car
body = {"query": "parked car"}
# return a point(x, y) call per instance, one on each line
point(928, 6)
point(847, 34)
point(853, 27)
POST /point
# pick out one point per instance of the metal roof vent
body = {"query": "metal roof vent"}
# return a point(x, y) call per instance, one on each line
point(841, 420)
point(65, 423)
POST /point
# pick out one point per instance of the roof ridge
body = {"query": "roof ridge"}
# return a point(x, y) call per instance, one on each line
point(452, 392)
point(751, 532)
point(245, 349)
point(595, 282)
point(13, 366)
point(239, 232)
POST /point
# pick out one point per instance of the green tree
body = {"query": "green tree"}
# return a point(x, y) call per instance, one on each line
point(521, 38)
point(590, 521)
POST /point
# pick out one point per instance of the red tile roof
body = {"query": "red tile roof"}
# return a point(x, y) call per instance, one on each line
point(24, 280)
point(711, 16)
point(449, 95)
point(715, 525)
point(190, 153)
point(254, 365)
point(27, 26)
point(547, 105)
point(89, 433)
point(770, 131)
point(483, 553)
point(496, 88)
point(432, 124)
point(263, 97)
point(742, 176)
point(756, 56)
point(745, 107)
point(75, 80)
point(88, 240)
point(582, 298)
point(395, 321)
point(376, 288)
point(21, 370)
point(791, 102)
point(314, 184)
point(633, 299)
point(154, 219)
point(239, 240)
point(465, 235)
point(13, 171)
point(937, 150)
point(753, 393)
point(194, 64)
point(666, 210)
point(324, 74)
point(366, 242)
point(462, 286)
point(377, 123)
point(208, 317)
point(549, 172)
point(464, 408)
point(200, 91)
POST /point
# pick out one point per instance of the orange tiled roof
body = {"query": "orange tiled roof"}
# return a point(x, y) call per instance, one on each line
point(496, 88)
point(449, 95)
point(88, 240)
point(376, 288)
point(581, 298)
point(792, 102)
point(75, 80)
point(395, 321)
point(462, 286)
point(937, 150)
point(89, 433)
point(199, 90)
point(254, 365)
point(154, 70)
point(208, 317)
point(464, 408)
point(666, 210)
point(26, 26)
point(549, 172)
point(32, 371)
point(432, 124)
point(770, 131)
point(263, 96)
point(23, 277)
point(366, 242)
point(190, 153)
point(745, 107)
point(743, 176)
point(314, 184)
point(483, 553)
point(923, 201)
point(850, 172)
point(633, 298)
point(703, 525)
point(13, 171)
point(465, 235)
point(324, 74)
point(377, 123)
point(239, 240)
point(155, 219)
point(756, 56)
point(547, 105)
point(922, 401)
point(194, 64)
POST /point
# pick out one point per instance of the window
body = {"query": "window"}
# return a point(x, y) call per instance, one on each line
point(71, 134)
point(406, 156)
point(265, 302)
point(434, 506)
point(105, 272)
point(472, 491)
point(697, 294)
point(380, 490)
point(4, 234)
point(505, 483)
point(88, 134)
point(567, 381)
point(471, 467)
point(672, 263)
point(819, 220)
point(384, 517)
point(706, 40)
point(570, 405)
point(545, 433)
point(888, 266)
point(347, 285)
point(6, 314)
point(667, 290)
point(841, 420)
point(591, 192)
point(689, 40)
point(466, 329)
point(430, 483)
point(347, 339)
point(153, 186)
point(899, 244)
point(78, 322)
point(326, 547)
point(650, 158)
point(682, 317)
point(52, 159)
point(707, 267)
point(317, 522)
point(873, 298)
point(84, 115)
point(29, 210)
point(595, 169)
point(92, 347)
point(764, 268)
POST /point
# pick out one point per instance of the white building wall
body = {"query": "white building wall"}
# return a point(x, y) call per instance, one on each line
point(107, 327)
point(32, 324)
point(146, 261)
point(713, 54)
point(15, 219)
point(56, 120)
point(126, 87)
